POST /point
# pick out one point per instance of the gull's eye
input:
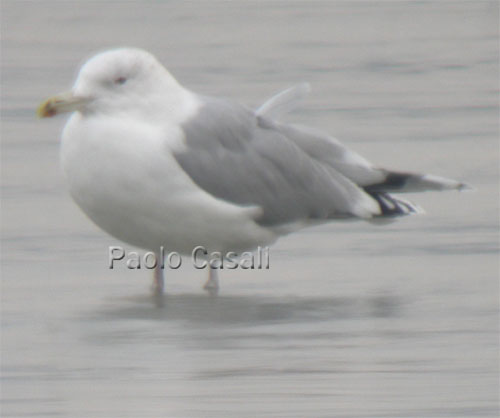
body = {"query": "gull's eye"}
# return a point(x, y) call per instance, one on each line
point(120, 80)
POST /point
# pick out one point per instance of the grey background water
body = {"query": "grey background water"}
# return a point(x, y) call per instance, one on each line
point(352, 320)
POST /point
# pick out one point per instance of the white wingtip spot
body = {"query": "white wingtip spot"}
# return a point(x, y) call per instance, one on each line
point(444, 183)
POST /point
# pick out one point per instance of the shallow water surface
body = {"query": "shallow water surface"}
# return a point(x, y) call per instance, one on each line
point(352, 319)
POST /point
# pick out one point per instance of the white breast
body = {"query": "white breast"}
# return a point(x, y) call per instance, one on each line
point(127, 181)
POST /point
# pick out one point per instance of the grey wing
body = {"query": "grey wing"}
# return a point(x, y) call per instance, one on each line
point(246, 160)
point(327, 150)
point(317, 144)
point(371, 178)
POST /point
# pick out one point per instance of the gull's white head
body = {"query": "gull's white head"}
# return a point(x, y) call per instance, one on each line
point(119, 80)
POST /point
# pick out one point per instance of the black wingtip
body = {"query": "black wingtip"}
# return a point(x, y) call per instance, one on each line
point(392, 207)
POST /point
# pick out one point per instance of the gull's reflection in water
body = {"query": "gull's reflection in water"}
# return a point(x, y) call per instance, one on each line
point(200, 323)
point(249, 310)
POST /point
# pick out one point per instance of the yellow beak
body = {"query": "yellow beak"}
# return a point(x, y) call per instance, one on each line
point(63, 103)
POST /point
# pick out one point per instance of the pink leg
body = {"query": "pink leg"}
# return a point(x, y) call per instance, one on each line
point(158, 282)
point(212, 284)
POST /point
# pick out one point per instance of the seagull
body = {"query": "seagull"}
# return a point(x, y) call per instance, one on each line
point(154, 164)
